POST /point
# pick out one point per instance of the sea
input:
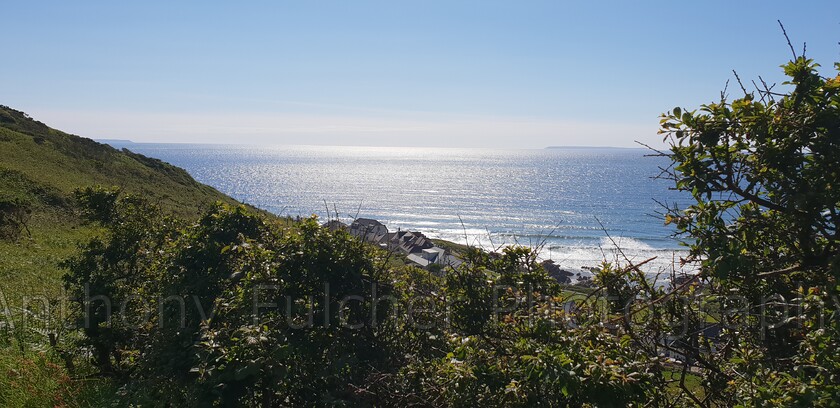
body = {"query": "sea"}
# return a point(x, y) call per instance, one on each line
point(577, 206)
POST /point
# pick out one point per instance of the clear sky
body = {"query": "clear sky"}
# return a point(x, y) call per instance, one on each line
point(391, 73)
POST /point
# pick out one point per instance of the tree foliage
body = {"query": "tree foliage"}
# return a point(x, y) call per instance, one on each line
point(764, 170)
point(236, 309)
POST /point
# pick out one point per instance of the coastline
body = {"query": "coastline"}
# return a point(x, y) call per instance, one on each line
point(660, 269)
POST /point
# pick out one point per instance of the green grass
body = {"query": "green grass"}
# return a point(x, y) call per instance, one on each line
point(451, 246)
point(31, 372)
point(693, 382)
point(35, 379)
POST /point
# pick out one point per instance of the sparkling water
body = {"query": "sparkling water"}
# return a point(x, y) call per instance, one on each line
point(575, 202)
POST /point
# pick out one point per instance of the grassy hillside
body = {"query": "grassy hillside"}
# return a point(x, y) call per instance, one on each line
point(39, 169)
point(45, 164)
point(41, 166)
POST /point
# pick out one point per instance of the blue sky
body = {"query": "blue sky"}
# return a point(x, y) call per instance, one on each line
point(391, 73)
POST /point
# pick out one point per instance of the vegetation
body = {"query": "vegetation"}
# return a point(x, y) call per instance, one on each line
point(41, 225)
point(175, 305)
point(236, 308)
point(46, 165)
point(764, 171)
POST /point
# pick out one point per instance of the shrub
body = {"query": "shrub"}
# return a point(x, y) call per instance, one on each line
point(15, 214)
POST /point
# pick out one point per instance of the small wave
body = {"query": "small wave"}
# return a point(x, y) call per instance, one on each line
point(626, 243)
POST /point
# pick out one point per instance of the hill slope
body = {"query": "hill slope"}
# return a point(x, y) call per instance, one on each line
point(40, 167)
point(50, 164)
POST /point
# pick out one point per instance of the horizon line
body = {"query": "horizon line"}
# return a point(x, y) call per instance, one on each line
point(108, 141)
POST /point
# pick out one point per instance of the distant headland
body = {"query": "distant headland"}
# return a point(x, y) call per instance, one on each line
point(110, 141)
point(590, 147)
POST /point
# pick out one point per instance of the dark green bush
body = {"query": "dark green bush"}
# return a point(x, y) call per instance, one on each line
point(15, 214)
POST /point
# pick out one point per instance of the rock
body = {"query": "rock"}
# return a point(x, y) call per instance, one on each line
point(559, 274)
